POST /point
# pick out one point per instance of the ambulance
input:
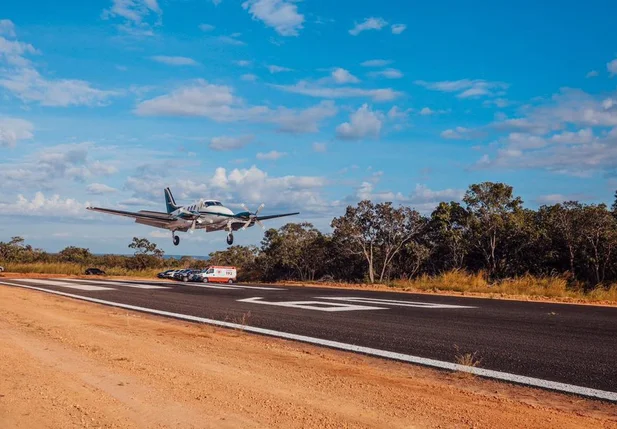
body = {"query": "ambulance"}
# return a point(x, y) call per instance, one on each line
point(217, 274)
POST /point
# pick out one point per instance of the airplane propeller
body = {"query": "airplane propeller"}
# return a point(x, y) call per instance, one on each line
point(253, 216)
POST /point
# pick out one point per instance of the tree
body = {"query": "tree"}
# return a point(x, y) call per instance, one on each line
point(76, 255)
point(376, 231)
point(143, 246)
point(147, 254)
point(490, 206)
point(447, 236)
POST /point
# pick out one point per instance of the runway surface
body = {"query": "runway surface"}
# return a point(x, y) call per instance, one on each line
point(563, 347)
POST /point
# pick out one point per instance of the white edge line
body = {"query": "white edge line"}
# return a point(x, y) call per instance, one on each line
point(498, 375)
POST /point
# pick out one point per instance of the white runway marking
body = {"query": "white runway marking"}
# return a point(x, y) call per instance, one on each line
point(106, 282)
point(65, 284)
point(255, 287)
point(394, 302)
point(312, 305)
point(489, 373)
point(207, 286)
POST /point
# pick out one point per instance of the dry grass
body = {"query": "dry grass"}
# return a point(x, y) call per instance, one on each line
point(72, 269)
point(528, 286)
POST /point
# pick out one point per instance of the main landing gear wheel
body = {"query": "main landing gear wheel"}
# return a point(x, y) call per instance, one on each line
point(230, 239)
point(176, 240)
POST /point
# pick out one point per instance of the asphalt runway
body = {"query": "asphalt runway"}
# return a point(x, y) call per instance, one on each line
point(570, 348)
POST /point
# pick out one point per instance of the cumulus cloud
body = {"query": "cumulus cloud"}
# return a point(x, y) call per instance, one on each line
point(273, 155)
point(376, 63)
point(7, 28)
point(138, 16)
point(282, 15)
point(341, 75)
point(13, 130)
point(466, 88)
point(100, 189)
point(224, 143)
point(458, 133)
point(398, 28)
point(174, 61)
point(316, 90)
point(389, 73)
point(242, 63)
point(249, 77)
point(592, 73)
point(206, 27)
point(39, 205)
point(231, 40)
point(371, 23)
point(219, 103)
point(612, 67)
point(278, 69)
point(362, 123)
point(28, 85)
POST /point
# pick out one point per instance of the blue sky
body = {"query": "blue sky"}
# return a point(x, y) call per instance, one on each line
point(302, 105)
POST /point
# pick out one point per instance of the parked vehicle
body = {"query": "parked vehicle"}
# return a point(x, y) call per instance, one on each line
point(94, 272)
point(184, 275)
point(216, 274)
point(166, 274)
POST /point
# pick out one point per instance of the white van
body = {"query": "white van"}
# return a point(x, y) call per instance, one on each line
point(217, 274)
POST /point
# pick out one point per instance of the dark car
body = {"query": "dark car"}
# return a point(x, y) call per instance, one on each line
point(165, 274)
point(94, 272)
point(184, 275)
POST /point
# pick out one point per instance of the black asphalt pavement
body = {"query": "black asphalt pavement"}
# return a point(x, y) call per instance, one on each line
point(574, 344)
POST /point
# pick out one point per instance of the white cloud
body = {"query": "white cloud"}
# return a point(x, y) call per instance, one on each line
point(278, 69)
point(341, 75)
point(376, 63)
point(398, 28)
point(206, 27)
point(362, 123)
point(174, 61)
point(319, 147)
point(230, 40)
point(426, 111)
point(29, 85)
point(312, 90)
point(13, 130)
point(421, 198)
point(218, 103)
point(100, 189)
point(224, 143)
point(242, 63)
point(42, 206)
point(135, 14)
point(458, 133)
point(13, 51)
point(592, 73)
point(389, 73)
point(282, 15)
point(270, 156)
point(371, 23)
point(7, 27)
point(612, 67)
point(466, 88)
point(249, 77)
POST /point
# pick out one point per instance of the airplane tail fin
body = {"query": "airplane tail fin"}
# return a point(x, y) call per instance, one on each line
point(170, 203)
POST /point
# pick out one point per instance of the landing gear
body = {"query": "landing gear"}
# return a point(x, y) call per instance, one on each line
point(176, 238)
point(230, 239)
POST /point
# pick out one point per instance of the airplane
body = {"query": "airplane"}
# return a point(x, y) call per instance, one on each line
point(210, 215)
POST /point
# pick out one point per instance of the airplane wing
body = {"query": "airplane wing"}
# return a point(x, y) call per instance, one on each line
point(276, 215)
point(142, 214)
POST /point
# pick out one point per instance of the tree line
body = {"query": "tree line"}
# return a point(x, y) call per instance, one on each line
point(490, 231)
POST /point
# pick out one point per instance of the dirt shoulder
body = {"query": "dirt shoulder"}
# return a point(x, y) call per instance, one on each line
point(65, 363)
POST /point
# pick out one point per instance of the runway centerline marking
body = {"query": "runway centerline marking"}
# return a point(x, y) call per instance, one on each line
point(115, 283)
point(394, 302)
point(65, 284)
point(312, 305)
point(450, 366)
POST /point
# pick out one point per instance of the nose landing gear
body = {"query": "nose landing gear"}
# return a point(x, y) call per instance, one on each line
point(175, 238)
point(230, 239)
